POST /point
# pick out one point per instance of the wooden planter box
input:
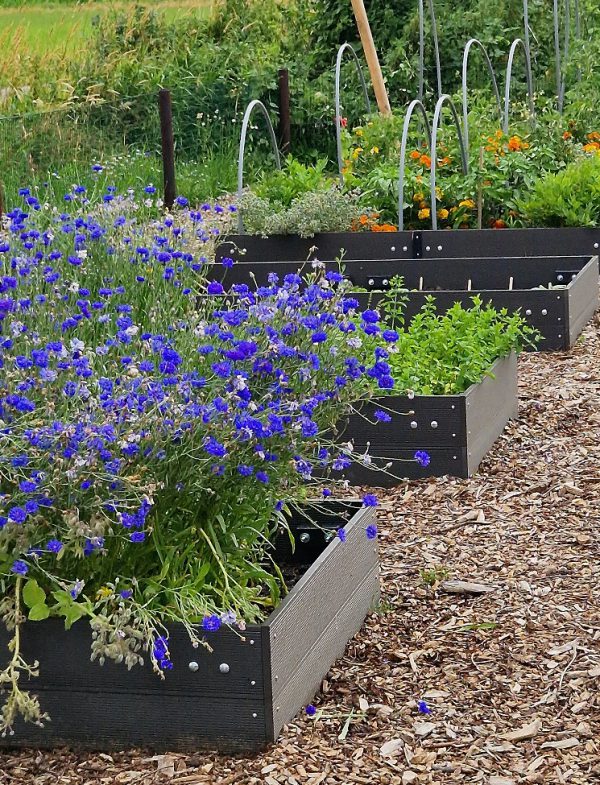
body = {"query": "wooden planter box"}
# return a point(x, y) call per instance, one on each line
point(456, 430)
point(272, 671)
point(559, 314)
point(416, 244)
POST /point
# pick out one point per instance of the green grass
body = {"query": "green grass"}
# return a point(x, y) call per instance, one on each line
point(44, 28)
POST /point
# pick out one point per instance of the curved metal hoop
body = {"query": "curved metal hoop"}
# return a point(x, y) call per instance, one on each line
point(465, 68)
point(527, 33)
point(443, 99)
point(338, 110)
point(245, 123)
point(561, 62)
point(511, 56)
point(416, 104)
point(436, 47)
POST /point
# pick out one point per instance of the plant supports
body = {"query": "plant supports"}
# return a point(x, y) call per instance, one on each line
point(366, 38)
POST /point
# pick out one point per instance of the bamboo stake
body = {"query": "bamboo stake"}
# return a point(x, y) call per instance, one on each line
point(366, 38)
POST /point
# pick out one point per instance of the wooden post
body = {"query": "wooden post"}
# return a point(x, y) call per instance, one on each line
point(285, 131)
point(366, 38)
point(168, 146)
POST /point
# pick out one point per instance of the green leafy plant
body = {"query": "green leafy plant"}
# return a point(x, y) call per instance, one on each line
point(445, 353)
point(282, 186)
point(568, 198)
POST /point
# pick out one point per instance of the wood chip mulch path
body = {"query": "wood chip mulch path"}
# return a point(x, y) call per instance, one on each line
point(511, 674)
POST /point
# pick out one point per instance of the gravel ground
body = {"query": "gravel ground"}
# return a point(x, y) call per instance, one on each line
point(510, 672)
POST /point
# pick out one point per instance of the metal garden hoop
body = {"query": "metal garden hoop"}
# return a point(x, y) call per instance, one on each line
point(465, 66)
point(256, 104)
point(338, 110)
point(442, 100)
point(416, 104)
point(511, 56)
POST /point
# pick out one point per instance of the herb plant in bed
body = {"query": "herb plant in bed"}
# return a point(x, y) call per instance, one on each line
point(152, 450)
point(458, 377)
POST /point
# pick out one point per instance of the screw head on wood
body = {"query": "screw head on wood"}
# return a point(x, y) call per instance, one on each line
point(428, 248)
point(561, 277)
point(193, 666)
point(385, 282)
point(414, 424)
point(224, 667)
point(596, 245)
point(440, 247)
point(405, 248)
point(371, 282)
point(254, 714)
point(544, 312)
point(528, 312)
point(393, 248)
point(253, 683)
point(305, 537)
point(434, 424)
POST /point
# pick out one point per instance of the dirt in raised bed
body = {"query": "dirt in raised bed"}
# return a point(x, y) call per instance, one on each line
point(511, 675)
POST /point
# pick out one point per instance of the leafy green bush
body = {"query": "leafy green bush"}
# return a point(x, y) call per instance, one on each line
point(282, 186)
point(311, 213)
point(444, 354)
point(568, 198)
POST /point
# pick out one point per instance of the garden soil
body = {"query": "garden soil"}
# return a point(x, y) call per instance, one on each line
point(509, 669)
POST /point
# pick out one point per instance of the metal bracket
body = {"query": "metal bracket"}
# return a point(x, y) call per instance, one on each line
point(417, 245)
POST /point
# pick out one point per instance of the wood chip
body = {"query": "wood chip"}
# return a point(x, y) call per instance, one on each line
point(465, 587)
point(526, 732)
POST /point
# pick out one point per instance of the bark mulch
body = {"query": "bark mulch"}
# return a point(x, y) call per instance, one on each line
point(509, 668)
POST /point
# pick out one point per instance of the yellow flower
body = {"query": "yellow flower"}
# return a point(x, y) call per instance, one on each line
point(359, 131)
point(418, 197)
point(424, 214)
point(469, 203)
point(103, 592)
point(357, 151)
point(374, 150)
point(443, 214)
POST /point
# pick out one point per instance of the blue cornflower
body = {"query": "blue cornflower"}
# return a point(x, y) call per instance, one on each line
point(390, 336)
point(310, 710)
point(370, 500)
point(341, 533)
point(211, 623)
point(370, 316)
point(137, 537)
point(54, 546)
point(20, 568)
point(319, 336)
point(17, 515)
point(214, 287)
point(422, 458)
point(126, 594)
point(227, 261)
point(423, 707)
point(382, 416)
point(371, 531)
point(326, 493)
point(262, 477)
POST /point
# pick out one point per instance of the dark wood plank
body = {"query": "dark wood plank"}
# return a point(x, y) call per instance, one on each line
point(583, 300)
point(399, 465)
point(65, 665)
point(155, 721)
point(310, 612)
point(489, 406)
point(511, 242)
point(300, 687)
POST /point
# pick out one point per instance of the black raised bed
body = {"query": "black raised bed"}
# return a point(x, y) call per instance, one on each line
point(462, 243)
point(235, 699)
point(559, 314)
point(456, 430)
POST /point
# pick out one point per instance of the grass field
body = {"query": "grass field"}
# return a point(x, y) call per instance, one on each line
point(46, 27)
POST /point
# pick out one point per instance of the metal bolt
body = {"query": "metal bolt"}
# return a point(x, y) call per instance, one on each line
point(385, 282)
point(560, 336)
point(454, 435)
point(305, 537)
point(251, 643)
point(559, 319)
point(414, 424)
point(224, 667)
point(440, 247)
point(434, 424)
point(528, 312)
point(544, 312)
point(561, 277)
point(428, 248)
point(453, 406)
point(276, 678)
point(253, 683)
point(596, 245)
point(393, 248)
point(454, 457)
point(193, 666)
point(371, 282)
point(254, 714)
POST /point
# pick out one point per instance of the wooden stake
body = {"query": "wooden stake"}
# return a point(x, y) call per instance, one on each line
point(168, 146)
point(366, 38)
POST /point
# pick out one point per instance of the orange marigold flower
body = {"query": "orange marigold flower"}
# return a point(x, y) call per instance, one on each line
point(567, 135)
point(384, 228)
point(594, 136)
point(415, 154)
point(364, 219)
point(468, 203)
point(418, 197)
point(591, 147)
point(515, 144)
point(425, 160)
point(443, 214)
point(499, 224)
point(424, 214)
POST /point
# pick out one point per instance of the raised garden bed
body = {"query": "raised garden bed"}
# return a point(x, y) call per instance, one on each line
point(237, 698)
point(456, 430)
point(560, 314)
point(464, 243)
